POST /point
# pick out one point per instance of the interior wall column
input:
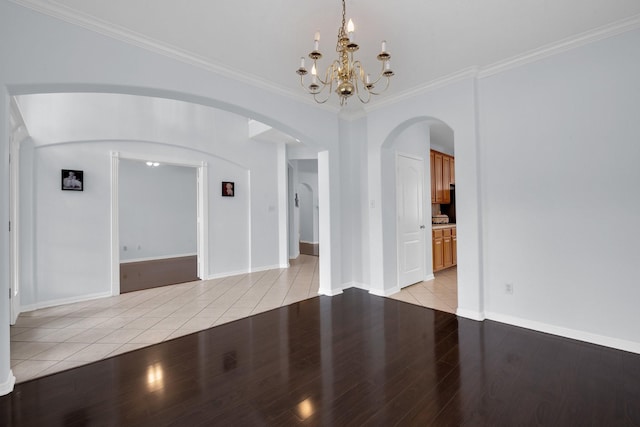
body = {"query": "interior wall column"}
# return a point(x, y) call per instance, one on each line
point(7, 380)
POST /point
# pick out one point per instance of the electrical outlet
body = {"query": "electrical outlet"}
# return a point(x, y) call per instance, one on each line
point(508, 288)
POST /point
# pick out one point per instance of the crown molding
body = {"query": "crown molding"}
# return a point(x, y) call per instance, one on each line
point(555, 48)
point(467, 73)
point(122, 34)
point(591, 36)
point(133, 38)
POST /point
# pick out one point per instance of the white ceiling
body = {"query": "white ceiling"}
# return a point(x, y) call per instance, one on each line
point(263, 40)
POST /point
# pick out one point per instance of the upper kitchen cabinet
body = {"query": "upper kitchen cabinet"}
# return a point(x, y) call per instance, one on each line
point(433, 181)
point(442, 176)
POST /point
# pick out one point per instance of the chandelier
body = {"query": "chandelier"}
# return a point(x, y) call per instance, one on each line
point(345, 74)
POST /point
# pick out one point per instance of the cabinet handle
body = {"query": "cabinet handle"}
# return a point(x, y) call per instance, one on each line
point(421, 227)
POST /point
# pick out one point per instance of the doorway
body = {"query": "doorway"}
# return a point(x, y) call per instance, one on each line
point(308, 221)
point(304, 217)
point(157, 245)
point(158, 224)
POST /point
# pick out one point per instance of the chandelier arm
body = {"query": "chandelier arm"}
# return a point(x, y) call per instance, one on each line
point(363, 100)
point(359, 82)
point(386, 86)
point(380, 76)
point(330, 89)
point(315, 98)
point(302, 84)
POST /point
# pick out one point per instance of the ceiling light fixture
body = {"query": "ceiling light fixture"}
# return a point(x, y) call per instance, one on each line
point(346, 74)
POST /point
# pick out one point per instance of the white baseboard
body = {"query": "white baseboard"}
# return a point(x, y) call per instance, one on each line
point(386, 292)
point(430, 277)
point(330, 292)
point(61, 301)
point(470, 314)
point(6, 387)
point(357, 285)
point(619, 344)
point(227, 274)
point(265, 268)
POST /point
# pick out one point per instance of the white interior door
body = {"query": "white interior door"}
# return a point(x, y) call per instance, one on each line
point(411, 228)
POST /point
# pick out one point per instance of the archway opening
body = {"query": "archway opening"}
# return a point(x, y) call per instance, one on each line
point(419, 276)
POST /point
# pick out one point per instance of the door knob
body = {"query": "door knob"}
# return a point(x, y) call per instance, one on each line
point(421, 227)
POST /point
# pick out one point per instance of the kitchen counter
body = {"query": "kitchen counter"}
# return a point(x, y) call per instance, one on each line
point(442, 226)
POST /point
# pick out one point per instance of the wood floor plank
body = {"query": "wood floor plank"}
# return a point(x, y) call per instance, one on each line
point(353, 359)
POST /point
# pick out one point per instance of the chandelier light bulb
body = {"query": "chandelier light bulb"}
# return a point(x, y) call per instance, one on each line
point(384, 46)
point(314, 72)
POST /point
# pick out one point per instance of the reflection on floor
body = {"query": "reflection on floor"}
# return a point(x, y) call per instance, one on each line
point(439, 294)
point(58, 338)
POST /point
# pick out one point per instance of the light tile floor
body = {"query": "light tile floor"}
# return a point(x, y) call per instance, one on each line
point(63, 337)
point(439, 294)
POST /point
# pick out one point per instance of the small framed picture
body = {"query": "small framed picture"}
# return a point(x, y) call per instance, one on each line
point(228, 189)
point(72, 180)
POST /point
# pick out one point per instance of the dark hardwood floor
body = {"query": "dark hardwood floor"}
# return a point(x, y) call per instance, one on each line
point(354, 359)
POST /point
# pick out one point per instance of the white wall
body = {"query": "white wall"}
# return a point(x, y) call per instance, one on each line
point(454, 105)
point(72, 239)
point(560, 171)
point(79, 60)
point(157, 217)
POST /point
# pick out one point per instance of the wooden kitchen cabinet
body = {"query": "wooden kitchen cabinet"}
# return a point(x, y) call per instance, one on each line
point(438, 255)
point(444, 242)
point(447, 255)
point(433, 181)
point(438, 177)
point(454, 246)
point(446, 178)
point(452, 172)
point(442, 176)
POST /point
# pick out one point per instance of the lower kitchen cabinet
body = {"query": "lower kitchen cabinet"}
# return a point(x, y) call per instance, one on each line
point(444, 248)
point(454, 245)
point(438, 260)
